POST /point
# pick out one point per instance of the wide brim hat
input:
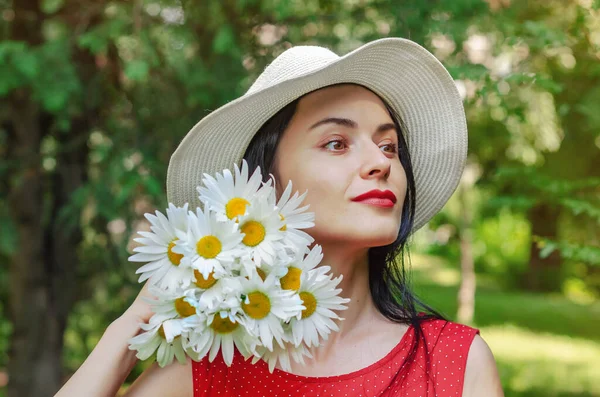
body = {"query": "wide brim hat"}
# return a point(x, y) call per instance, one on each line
point(403, 73)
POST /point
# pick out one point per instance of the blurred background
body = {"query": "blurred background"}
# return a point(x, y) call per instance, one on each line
point(96, 95)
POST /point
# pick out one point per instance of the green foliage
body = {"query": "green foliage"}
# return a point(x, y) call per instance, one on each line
point(137, 70)
point(501, 246)
point(51, 6)
point(582, 207)
point(18, 66)
point(99, 38)
point(545, 35)
point(575, 252)
point(8, 232)
point(576, 196)
point(24, 66)
point(224, 39)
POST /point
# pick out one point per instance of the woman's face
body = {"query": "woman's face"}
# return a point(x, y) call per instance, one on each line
point(337, 160)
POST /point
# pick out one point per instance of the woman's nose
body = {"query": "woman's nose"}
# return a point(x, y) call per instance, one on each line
point(375, 163)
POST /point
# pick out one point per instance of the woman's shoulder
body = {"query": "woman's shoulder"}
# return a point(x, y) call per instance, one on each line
point(438, 330)
point(481, 374)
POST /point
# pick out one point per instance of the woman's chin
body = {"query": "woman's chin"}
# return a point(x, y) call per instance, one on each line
point(364, 236)
point(384, 241)
point(377, 238)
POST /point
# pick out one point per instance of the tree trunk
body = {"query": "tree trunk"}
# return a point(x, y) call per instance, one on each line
point(466, 292)
point(42, 274)
point(34, 355)
point(544, 273)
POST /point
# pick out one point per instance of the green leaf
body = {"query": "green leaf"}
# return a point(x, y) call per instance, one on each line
point(93, 41)
point(137, 70)
point(51, 6)
point(544, 34)
point(26, 63)
point(576, 252)
point(59, 87)
point(8, 232)
point(578, 207)
point(153, 186)
point(223, 40)
point(547, 249)
point(55, 101)
point(548, 84)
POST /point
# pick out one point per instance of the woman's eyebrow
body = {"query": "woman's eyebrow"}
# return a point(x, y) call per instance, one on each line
point(350, 123)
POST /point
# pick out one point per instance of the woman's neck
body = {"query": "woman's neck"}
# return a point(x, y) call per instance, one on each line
point(353, 265)
point(362, 321)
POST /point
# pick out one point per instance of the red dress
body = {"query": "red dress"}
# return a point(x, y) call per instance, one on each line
point(447, 342)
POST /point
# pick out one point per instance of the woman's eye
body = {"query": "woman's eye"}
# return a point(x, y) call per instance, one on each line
point(335, 145)
point(392, 147)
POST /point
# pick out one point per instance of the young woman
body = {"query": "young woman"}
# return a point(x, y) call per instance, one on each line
point(378, 138)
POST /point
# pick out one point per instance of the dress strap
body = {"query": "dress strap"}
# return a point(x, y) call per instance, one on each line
point(448, 343)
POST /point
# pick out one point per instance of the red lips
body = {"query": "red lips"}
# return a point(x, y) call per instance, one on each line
point(382, 198)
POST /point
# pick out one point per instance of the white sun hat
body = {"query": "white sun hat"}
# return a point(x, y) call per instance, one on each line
point(404, 74)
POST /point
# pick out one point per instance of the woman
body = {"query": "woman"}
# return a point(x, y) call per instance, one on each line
point(378, 138)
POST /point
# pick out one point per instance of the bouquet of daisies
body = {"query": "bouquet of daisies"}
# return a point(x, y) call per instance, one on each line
point(235, 274)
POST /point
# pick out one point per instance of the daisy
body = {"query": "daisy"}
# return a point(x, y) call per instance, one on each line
point(295, 218)
point(162, 266)
point(231, 197)
point(154, 340)
point(320, 297)
point(265, 306)
point(223, 295)
point(216, 333)
point(246, 267)
point(262, 238)
point(207, 245)
point(282, 354)
point(299, 267)
point(174, 307)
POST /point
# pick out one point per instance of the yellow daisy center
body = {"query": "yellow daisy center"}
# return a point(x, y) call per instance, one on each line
point(161, 332)
point(292, 279)
point(259, 306)
point(310, 302)
point(183, 308)
point(236, 207)
point(284, 227)
point(223, 325)
point(254, 233)
point(208, 247)
point(204, 283)
point(174, 257)
point(261, 273)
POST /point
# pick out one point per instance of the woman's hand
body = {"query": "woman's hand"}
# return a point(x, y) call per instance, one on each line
point(140, 310)
point(111, 361)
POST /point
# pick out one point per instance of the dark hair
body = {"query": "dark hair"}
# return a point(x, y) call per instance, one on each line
point(388, 280)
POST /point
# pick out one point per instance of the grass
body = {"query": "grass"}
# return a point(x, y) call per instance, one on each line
point(544, 344)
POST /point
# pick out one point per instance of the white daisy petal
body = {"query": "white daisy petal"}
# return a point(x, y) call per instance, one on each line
point(320, 297)
point(162, 265)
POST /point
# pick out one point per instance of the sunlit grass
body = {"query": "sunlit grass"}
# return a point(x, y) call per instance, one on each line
point(544, 344)
point(535, 363)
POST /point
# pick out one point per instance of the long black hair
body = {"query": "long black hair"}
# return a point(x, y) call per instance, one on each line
point(389, 281)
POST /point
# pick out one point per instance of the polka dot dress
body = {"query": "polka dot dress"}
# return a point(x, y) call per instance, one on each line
point(447, 343)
